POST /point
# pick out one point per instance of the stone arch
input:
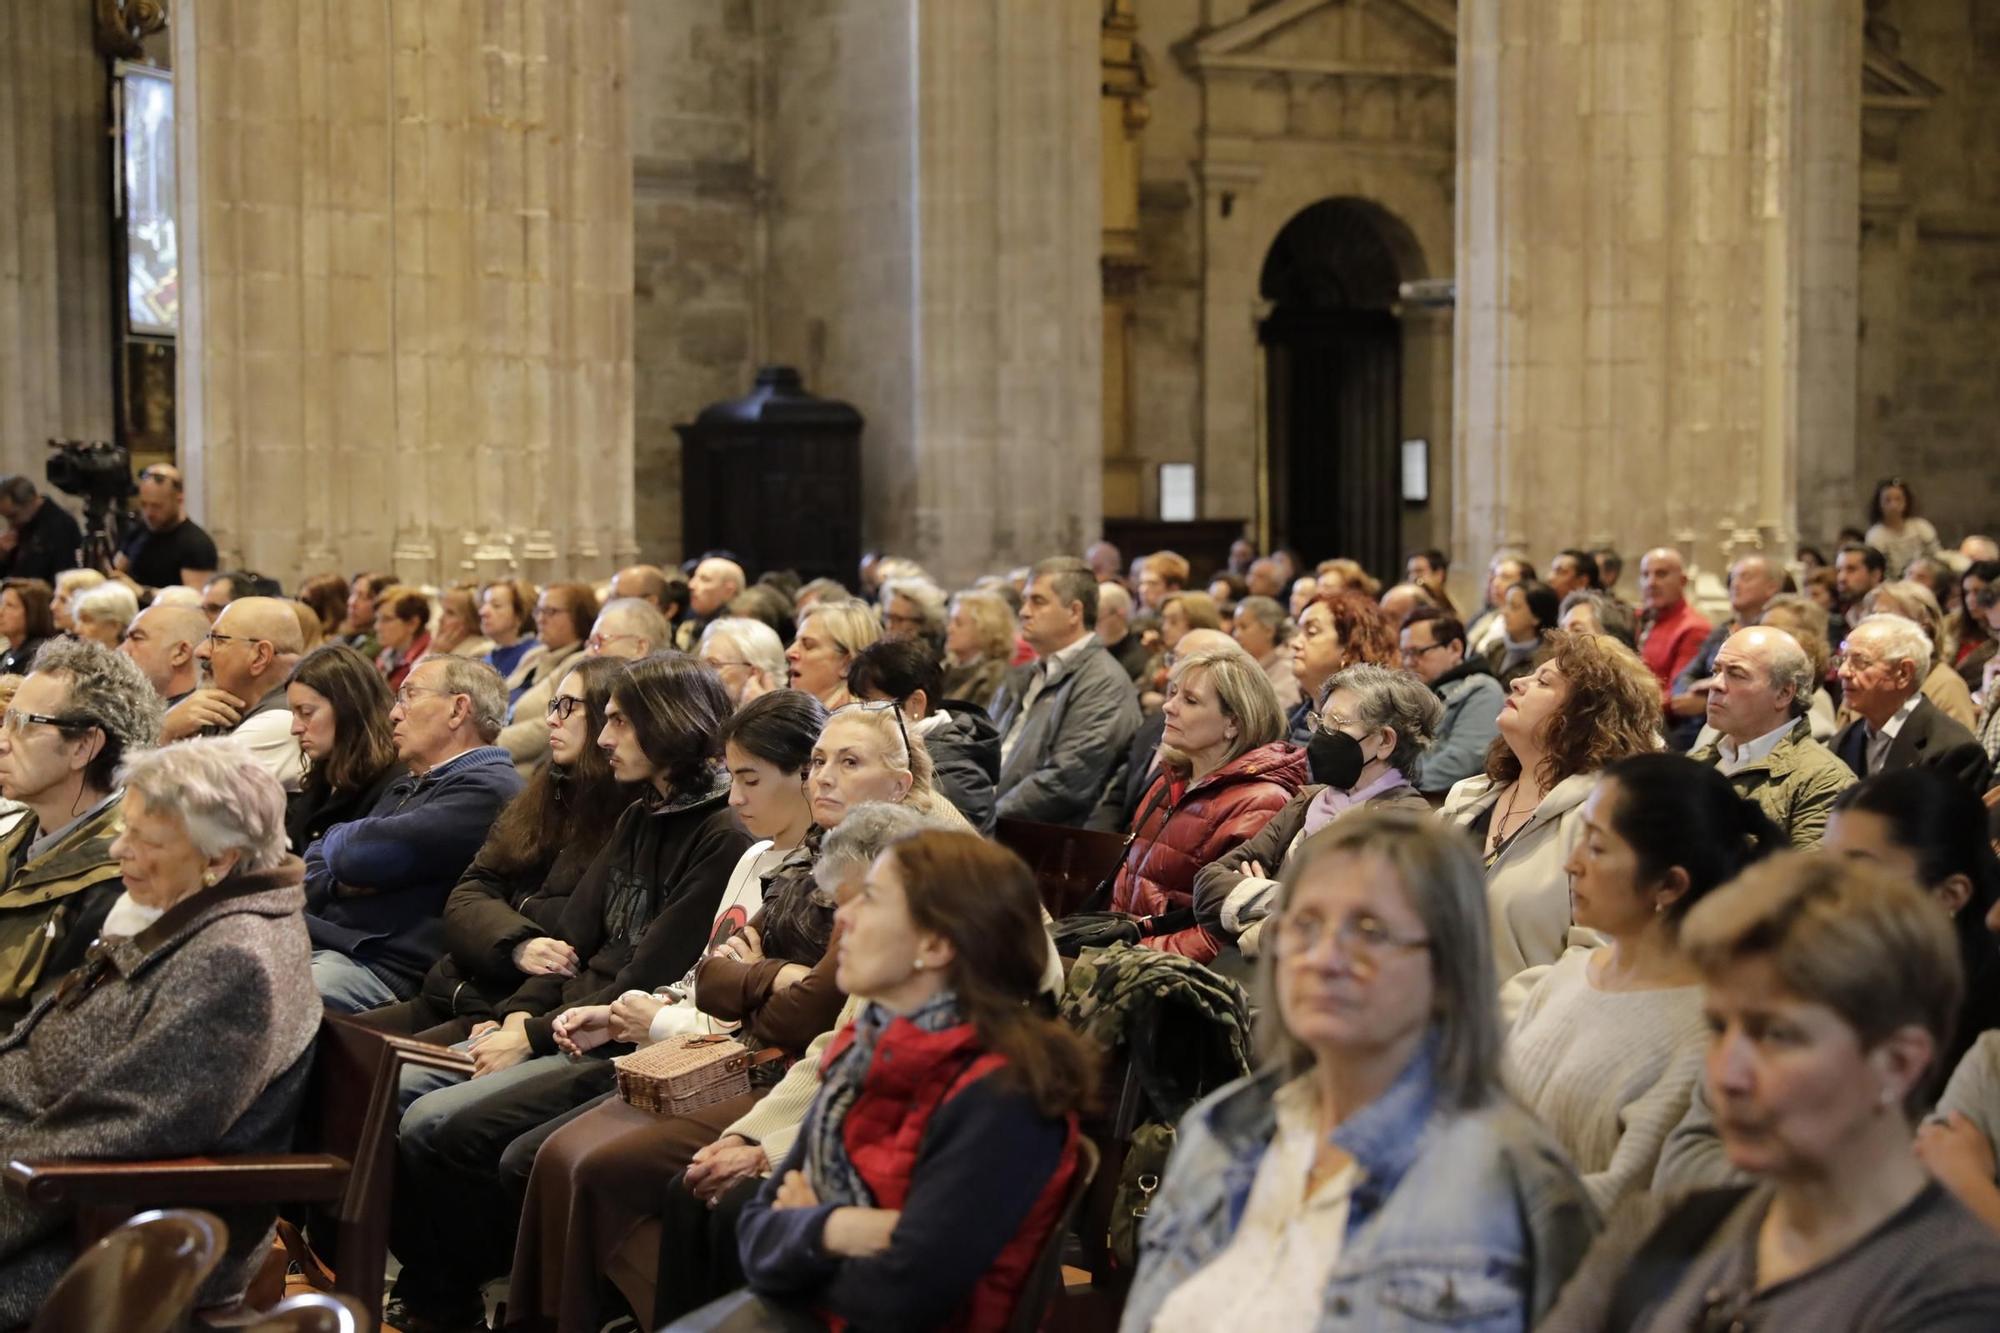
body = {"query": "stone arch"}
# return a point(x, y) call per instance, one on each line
point(1332, 337)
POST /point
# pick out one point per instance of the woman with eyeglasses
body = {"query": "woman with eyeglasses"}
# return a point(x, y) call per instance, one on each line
point(26, 622)
point(563, 618)
point(1373, 1172)
point(340, 716)
point(747, 654)
point(502, 923)
point(1829, 990)
point(1373, 725)
point(79, 713)
point(638, 918)
point(1589, 701)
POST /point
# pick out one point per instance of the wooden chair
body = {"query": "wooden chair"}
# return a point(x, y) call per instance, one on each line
point(1045, 1278)
point(142, 1277)
point(316, 1312)
point(1068, 862)
point(345, 1160)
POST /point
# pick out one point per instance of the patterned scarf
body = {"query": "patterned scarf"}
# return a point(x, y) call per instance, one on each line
point(829, 1169)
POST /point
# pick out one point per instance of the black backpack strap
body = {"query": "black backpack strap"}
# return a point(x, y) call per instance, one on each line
point(1658, 1266)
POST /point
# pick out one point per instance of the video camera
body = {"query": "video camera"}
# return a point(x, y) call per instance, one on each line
point(100, 474)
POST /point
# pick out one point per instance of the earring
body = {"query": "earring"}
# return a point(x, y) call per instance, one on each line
point(209, 879)
point(918, 965)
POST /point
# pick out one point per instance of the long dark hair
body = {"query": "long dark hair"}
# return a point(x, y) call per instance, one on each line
point(363, 747)
point(1875, 500)
point(1943, 824)
point(1673, 811)
point(675, 705)
point(779, 728)
point(982, 898)
point(564, 807)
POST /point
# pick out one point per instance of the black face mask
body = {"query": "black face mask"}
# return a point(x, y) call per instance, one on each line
point(1335, 758)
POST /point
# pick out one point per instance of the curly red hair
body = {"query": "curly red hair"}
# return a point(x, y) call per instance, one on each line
point(1613, 710)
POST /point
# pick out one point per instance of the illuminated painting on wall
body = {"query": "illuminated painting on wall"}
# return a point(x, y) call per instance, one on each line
point(152, 249)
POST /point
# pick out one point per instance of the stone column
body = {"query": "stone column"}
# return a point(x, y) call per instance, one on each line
point(56, 279)
point(1656, 270)
point(935, 230)
point(407, 235)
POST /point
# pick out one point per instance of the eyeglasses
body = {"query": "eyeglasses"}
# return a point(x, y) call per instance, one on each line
point(1852, 661)
point(720, 664)
point(212, 638)
point(1364, 941)
point(562, 705)
point(597, 643)
point(1414, 652)
point(14, 719)
point(409, 692)
point(892, 706)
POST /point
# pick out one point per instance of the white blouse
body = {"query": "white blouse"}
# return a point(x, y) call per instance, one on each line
point(1273, 1273)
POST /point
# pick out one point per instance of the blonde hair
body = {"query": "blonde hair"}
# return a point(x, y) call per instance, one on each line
point(1197, 608)
point(1912, 601)
point(1843, 934)
point(1801, 618)
point(890, 733)
point(73, 581)
point(1247, 697)
point(850, 625)
point(993, 620)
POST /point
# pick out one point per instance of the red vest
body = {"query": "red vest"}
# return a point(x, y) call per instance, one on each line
point(913, 1073)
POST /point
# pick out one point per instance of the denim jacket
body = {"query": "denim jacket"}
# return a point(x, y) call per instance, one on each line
point(1471, 1222)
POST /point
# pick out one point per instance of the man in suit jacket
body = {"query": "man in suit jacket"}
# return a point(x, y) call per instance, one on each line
point(1882, 667)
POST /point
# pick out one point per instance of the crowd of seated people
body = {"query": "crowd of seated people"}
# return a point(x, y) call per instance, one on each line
point(1606, 958)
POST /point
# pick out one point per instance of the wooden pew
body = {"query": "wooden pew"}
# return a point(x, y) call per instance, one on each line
point(1068, 862)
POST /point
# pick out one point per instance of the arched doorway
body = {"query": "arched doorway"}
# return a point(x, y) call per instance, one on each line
point(1333, 367)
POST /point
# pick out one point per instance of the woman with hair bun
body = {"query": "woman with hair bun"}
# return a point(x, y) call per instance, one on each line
point(1608, 1042)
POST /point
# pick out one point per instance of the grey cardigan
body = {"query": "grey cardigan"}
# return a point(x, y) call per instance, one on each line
point(185, 1039)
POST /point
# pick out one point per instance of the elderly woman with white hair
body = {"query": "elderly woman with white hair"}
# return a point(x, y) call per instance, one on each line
point(102, 613)
point(747, 654)
point(914, 609)
point(202, 965)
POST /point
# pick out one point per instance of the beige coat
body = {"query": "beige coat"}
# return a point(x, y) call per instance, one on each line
point(1527, 889)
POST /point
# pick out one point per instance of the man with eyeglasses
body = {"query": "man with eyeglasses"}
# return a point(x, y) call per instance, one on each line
point(1433, 645)
point(161, 641)
point(376, 886)
point(1882, 667)
point(165, 547)
point(245, 660)
point(81, 710)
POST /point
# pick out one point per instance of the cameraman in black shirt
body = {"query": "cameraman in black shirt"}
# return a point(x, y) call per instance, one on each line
point(41, 538)
point(165, 546)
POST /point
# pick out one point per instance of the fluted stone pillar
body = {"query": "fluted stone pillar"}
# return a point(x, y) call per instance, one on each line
point(1657, 280)
point(935, 231)
point(55, 276)
point(407, 235)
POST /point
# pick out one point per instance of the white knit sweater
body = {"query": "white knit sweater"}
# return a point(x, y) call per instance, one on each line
point(1608, 1072)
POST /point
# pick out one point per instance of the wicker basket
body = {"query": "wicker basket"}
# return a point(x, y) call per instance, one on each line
point(685, 1073)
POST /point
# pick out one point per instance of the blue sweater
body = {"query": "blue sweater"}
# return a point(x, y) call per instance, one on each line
point(376, 886)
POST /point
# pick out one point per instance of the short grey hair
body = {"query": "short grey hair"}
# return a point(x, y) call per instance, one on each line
point(1071, 581)
point(865, 834)
point(1790, 666)
point(224, 798)
point(1441, 878)
point(1613, 616)
point(757, 642)
point(109, 689)
point(930, 600)
point(1385, 697)
point(1267, 612)
point(481, 684)
point(112, 602)
point(1112, 599)
point(639, 617)
point(1901, 638)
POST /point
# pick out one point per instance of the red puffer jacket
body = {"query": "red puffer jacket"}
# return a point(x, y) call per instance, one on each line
point(1183, 828)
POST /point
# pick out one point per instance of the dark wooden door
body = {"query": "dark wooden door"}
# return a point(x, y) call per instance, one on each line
point(1335, 388)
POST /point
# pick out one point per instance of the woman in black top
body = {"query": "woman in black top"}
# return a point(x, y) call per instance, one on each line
point(340, 715)
point(501, 922)
point(25, 621)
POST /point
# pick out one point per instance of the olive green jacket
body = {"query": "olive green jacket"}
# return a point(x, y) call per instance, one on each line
point(1795, 785)
point(51, 907)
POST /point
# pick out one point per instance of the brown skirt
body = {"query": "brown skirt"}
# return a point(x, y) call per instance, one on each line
point(595, 1180)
